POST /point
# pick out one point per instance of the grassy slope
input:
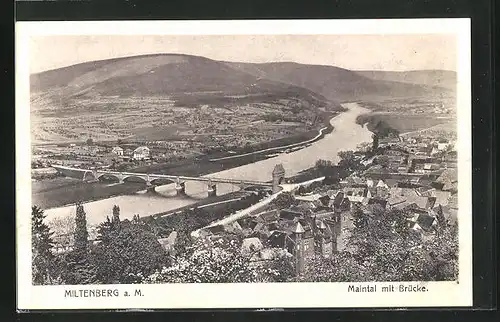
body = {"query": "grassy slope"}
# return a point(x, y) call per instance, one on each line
point(441, 78)
point(158, 75)
point(339, 84)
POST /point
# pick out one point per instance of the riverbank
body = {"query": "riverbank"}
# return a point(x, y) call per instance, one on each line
point(402, 122)
point(63, 191)
point(279, 144)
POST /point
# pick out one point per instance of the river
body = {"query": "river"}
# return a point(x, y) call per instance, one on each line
point(347, 135)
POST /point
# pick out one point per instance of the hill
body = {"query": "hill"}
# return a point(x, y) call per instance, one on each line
point(340, 84)
point(440, 78)
point(168, 96)
point(176, 96)
point(156, 75)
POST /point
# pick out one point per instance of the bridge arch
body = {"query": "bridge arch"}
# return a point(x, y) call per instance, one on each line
point(108, 177)
point(161, 181)
point(134, 178)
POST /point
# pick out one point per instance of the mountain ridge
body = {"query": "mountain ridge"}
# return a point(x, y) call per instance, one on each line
point(332, 82)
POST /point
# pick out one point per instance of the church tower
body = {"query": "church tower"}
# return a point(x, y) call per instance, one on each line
point(299, 248)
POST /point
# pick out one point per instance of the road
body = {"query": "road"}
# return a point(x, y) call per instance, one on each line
point(289, 187)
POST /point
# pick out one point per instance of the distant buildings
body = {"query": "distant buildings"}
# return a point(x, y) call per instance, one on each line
point(141, 153)
point(117, 150)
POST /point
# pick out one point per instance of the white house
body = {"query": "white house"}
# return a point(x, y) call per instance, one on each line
point(117, 150)
point(442, 146)
point(141, 153)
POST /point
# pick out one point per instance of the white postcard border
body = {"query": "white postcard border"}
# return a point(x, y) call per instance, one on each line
point(258, 295)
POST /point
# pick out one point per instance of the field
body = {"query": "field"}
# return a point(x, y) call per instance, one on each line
point(405, 122)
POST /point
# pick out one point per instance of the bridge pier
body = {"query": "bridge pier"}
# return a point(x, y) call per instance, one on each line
point(180, 188)
point(212, 189)
point(151, 188)
point(91, 178)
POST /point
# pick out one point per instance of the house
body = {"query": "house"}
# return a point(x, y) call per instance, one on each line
point(447, 181)
point(425, 191)
point(312, 197)
point(381, 184)
point(267, 254)
point(354, 181)
point(388, 142)
point(442, 146)
point(267, 217)
point(117, 150)
point(449, 213)
point(251, 245)
point(422, 221)
point(377, 201)
point(401, 198)
point(356, 194)
point(340, 203)
point(291, 213)
point(391, 183)
point(141, 153)
point(425, 168)
point(169, 242)
point(435, 151)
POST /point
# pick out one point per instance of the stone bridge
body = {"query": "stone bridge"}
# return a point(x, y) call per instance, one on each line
point(153, 180)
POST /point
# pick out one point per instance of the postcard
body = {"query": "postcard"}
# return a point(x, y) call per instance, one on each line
point(243, 164)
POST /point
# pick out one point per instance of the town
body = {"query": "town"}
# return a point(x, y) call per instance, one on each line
point(415, 175)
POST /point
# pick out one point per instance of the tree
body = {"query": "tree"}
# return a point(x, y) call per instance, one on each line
point(383, 160)
point(79, 270)
point(322, 164)
point(126, 253)
point(374, 142)
point(442, 222)
point(41, 247)
point(64, 230)
point(104, 231)
point(116, 216)
point(384, 248)
point(348, 161)
point(280, 269)
point(218, 262)
point(341, 267)
point(301, 190)
point(81, 232)
point(90, 141)
point(284, 200)
point(383, 130)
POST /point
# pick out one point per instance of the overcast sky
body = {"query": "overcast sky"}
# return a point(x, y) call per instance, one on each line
point(356, 52)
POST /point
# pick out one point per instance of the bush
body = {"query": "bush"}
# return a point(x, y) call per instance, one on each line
point(207, 263)
point(125, 252)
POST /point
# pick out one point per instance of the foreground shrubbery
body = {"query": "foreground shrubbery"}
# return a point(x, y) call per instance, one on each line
point(128, 252)
point(381, 247)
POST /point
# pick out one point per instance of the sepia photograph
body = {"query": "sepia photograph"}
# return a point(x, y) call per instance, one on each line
point(213, 159)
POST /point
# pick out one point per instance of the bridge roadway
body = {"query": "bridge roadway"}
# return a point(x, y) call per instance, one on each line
point(149, 177)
